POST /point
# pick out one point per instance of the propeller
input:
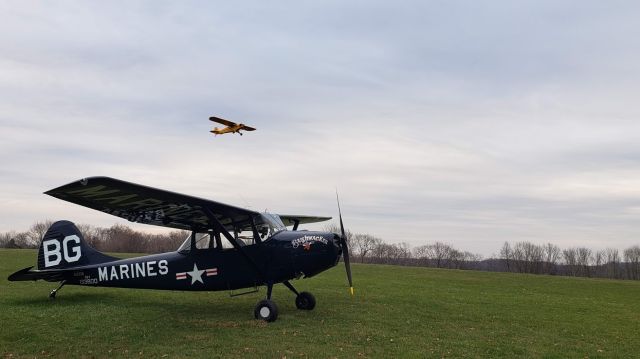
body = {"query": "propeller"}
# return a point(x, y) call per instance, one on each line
point(345, 248)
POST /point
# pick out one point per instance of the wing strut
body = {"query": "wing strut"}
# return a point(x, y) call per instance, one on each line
point(254, 229)
point(220, 228)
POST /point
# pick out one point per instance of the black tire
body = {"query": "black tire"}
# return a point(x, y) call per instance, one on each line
point(266, 310)
point(305, 301)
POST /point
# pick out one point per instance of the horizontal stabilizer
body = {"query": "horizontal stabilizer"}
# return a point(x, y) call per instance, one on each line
point(29, 274)
point(290, 220)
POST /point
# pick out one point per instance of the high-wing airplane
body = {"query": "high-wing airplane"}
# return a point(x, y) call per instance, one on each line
point(262, 251)
point(232, 127)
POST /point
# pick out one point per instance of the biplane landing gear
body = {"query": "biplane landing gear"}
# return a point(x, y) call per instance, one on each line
point(266, 309)
point(52, 295)
point(304, 300)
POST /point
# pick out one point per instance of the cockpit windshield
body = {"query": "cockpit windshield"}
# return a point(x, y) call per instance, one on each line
point(274, 223)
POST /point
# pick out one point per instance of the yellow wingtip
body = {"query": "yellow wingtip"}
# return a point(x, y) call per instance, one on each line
point(351, 288)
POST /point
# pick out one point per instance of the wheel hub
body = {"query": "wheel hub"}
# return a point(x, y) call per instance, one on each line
point(264, 312)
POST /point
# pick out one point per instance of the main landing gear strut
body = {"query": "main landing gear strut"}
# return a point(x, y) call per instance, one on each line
point(267, 309)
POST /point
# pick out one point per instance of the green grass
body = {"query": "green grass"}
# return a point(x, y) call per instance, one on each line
point(397, 312)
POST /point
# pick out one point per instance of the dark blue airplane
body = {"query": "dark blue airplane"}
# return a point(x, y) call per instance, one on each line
point(271, 254)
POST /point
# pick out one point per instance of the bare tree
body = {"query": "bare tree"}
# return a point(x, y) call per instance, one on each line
point(89, 233)
point(598, 261)
point(440, 253)
point(506, 255)
point(528, 257)
point(404, 251)
point(420, 253)
point(363, 244)
point(551, 257)
point(381, 252)
point(36, 232)
point(570, 257)
point(5, 238)
point(583, 256)
point(613, 261)
point(632, 262)
point(520, 261)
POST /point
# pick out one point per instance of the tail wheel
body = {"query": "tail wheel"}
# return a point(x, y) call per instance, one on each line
point(266, 310)
point(305, 301)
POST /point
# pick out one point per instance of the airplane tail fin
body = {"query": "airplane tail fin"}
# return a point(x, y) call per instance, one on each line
point(62, 249)
point(63, 246)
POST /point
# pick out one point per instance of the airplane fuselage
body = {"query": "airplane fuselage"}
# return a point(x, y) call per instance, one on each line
point(284, 256)
point(228, 129)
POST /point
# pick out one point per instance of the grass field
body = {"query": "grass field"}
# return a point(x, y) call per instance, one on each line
point(397, 312)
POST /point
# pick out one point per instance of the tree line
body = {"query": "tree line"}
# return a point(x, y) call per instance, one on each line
point(525, 257)
point(117, 238)
point(519, 257)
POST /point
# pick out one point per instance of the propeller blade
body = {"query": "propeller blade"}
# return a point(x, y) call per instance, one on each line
point(345, 247)
point(347, 264)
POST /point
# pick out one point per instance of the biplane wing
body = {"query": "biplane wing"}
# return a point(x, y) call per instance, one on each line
point(222, 121)
point(149, 205)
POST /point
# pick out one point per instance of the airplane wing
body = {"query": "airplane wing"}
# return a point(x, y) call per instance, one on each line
point(290, 220)
point(150, 205)
point(222, 121)
point(247, 128)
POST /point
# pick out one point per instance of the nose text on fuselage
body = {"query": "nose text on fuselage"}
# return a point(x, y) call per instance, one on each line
point(307, 239)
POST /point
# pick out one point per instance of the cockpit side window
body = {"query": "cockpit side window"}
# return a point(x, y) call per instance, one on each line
point(207, 241)
point(203, 241)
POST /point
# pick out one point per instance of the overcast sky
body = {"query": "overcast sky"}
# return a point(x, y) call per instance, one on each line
point(467, 122)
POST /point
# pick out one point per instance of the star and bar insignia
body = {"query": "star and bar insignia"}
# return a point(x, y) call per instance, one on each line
point(196, 274)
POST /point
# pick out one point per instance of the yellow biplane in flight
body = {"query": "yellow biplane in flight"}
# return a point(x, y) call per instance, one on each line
point(231, 127)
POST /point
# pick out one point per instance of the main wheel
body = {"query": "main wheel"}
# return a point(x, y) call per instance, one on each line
point(266, 310)
point(305, 301)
